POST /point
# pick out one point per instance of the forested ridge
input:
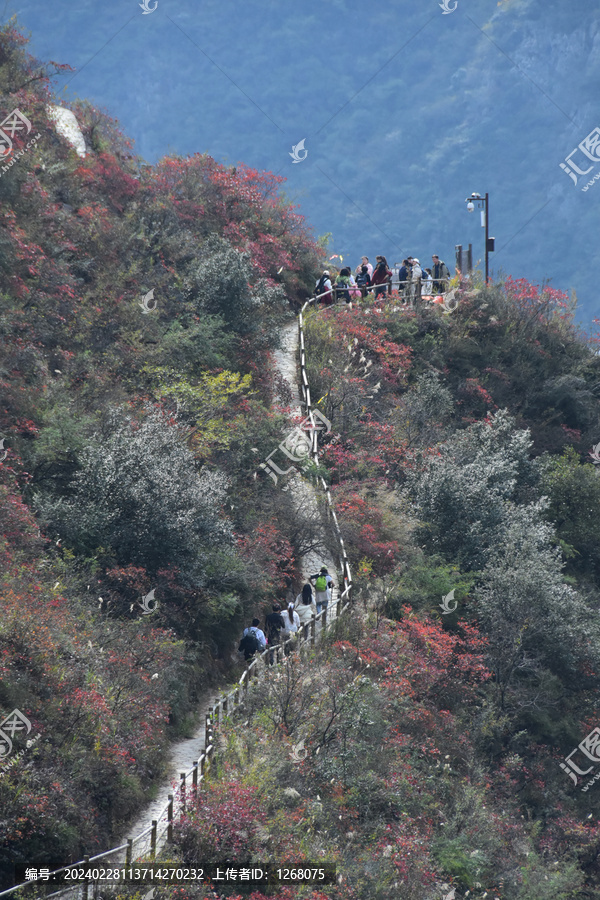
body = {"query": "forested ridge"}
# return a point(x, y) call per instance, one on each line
point(459, 464)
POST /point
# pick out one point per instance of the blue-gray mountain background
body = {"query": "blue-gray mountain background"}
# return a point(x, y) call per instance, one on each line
point(404, 110)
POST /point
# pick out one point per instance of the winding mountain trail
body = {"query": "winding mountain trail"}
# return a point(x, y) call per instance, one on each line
point(181, 756)
point(302, 491)
point(304, 496)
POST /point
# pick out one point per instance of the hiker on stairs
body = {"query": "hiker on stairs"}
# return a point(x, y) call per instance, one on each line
point(323, 287)
point(253, 640)
point(323, 588)
point(291, 625)
point(306, 608)
point(274, 625)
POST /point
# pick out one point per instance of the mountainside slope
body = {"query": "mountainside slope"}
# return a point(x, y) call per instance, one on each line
point(137, 398)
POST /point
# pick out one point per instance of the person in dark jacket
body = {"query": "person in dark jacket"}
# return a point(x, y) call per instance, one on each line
point(404, 276)
point(381, 276)
point(273, 626)
point(439, 271)
point(362, 280)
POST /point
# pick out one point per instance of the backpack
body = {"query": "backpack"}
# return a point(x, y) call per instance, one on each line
point(320, 288)
point(249, 644)
point(362, 280)
point(321, 584)
point(342, 287)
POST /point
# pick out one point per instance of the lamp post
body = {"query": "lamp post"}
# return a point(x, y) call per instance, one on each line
point(483, 203)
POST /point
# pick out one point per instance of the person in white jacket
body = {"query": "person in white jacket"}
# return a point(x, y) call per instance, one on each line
point(292, 622)
point(306, 608)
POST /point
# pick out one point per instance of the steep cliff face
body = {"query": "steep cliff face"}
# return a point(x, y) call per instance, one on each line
point(404, 111)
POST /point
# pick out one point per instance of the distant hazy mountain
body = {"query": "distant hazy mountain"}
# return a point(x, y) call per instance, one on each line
point(404, 110)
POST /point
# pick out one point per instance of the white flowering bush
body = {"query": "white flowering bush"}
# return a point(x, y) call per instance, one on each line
point(533, 619)
point(461, 493)
point(481, 510)
point(139, 494)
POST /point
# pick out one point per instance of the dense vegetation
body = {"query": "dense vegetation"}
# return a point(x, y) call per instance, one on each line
point(132, 438)
point(459, 464)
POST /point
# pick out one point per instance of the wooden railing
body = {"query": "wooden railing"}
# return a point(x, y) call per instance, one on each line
point(306, 398)
point(153, 839)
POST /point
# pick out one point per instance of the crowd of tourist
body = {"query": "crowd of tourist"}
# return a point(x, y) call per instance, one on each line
point(413, 282)
point(282, 624)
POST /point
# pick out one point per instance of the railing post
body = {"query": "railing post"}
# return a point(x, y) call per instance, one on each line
point(324, 620)
point(313, 631)
point(153, 836)
point(207, 727)
point(170, 820)
point(129, 852)
point(195, 776)
point(183, 790)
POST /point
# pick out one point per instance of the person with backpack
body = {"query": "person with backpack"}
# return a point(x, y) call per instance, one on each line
point(381, 276)
point(343, 283)
point(306, 608)
point(253, 640)
point(274, 625)
point(440, 274)
point(323, 286)
point(363, 280)
point(323, 585)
